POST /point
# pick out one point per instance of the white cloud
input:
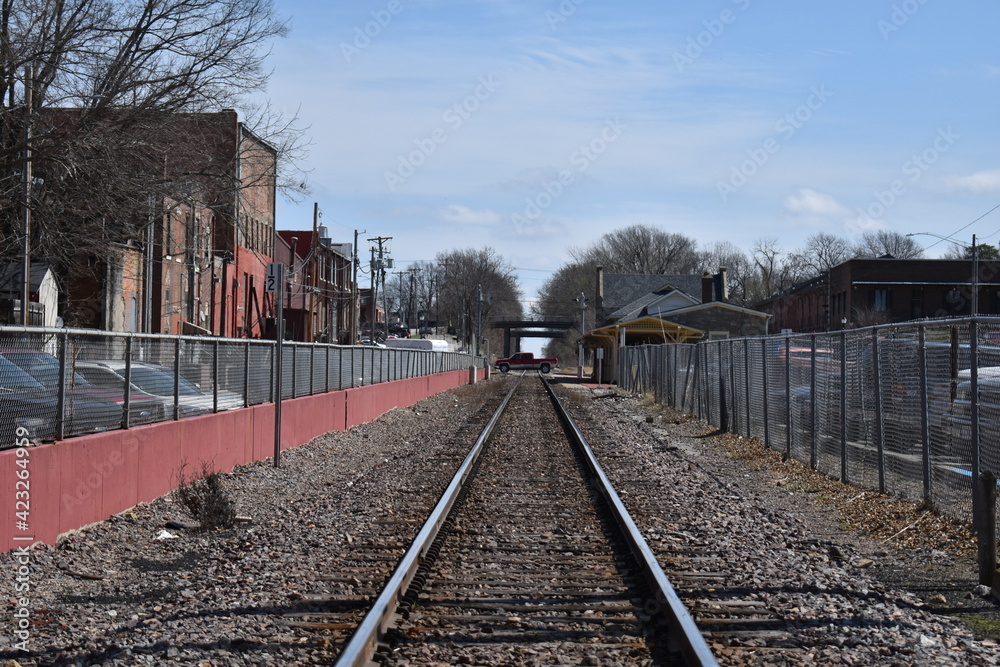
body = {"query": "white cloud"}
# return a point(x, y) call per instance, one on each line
point(811, 204)
point(463, 215)
point(979, 182)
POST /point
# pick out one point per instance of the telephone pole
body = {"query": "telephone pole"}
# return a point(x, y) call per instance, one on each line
point(479, 316)
point(355, 312)
point(26, 182)
point(582, 300)
point(378, 271)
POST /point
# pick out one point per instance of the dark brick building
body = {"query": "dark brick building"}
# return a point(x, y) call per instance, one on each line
point(863, 292)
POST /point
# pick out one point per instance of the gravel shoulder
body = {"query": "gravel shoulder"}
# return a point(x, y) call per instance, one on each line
point(903, 545)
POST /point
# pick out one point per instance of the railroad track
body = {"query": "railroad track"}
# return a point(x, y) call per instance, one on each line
point(526, 558)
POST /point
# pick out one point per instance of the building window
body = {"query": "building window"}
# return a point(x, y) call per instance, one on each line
point(882, 300)
point(916, 303)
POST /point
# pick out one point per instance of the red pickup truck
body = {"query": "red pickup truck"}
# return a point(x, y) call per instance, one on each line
point(526, 361)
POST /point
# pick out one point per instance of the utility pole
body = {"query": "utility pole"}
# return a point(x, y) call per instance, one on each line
point(409, 312)
point(975, 277)
point(355, 312)
point(378, 270)
point(374, 287)
point(582, 300)
point(312, 274)
point(479, 316)
point(26, 178)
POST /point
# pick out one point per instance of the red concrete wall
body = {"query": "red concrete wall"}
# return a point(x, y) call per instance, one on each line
point(77, 482)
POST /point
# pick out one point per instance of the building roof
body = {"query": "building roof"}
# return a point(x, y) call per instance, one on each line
point(621, 289)
point(640, 306)
point(10, 276)
point(719, 304)
point(642, 330)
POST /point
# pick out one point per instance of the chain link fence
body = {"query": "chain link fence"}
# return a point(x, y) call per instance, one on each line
point(910, 410)
point(57, 383)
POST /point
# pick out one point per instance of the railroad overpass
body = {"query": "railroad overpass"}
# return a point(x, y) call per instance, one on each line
point(518, 329)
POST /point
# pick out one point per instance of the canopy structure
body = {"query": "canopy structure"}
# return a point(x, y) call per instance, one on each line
point(641, 331)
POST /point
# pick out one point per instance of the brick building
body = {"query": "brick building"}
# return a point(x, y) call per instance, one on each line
point(319, 290)
point(199, 266)
point(862, 292)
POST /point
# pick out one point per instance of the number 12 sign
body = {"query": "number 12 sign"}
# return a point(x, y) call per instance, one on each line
point(273, 279)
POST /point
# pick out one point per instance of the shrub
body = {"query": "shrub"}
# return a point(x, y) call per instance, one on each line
point(205, 497)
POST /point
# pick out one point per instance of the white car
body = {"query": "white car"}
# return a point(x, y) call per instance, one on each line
point(158, 381)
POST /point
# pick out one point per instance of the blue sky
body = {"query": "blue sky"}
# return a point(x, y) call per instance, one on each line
point(533, 126)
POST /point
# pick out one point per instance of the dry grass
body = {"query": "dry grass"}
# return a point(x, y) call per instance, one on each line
point(205, 497)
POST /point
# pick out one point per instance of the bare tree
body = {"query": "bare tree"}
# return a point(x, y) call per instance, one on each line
point(559, 298)
point(739, 268)
point(821, 252)
point(881, 242)
point(462, 274)
point(642, 249)
point(769, 273)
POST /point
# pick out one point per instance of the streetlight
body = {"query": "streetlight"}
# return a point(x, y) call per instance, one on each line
point(975, 265)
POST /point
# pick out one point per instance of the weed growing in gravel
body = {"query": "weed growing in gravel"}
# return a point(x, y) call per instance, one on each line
point(205, 497)
point(476, 393)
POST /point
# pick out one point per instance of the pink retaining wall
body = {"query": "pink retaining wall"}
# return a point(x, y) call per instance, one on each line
point(70, 484)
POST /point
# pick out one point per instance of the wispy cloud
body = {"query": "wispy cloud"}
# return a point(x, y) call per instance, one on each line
point(809, 202)
point(978, 183)
point(457, 214)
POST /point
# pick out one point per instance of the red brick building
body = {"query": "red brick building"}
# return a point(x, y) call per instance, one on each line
point(319, 293)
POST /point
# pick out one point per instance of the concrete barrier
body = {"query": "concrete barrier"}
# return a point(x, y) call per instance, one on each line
point(69, 484)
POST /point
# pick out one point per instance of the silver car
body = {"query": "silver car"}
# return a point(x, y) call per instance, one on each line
point(158, 381)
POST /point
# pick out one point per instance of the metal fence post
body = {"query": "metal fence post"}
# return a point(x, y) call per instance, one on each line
point(746, 380)
point(977, 496)
point(843, 406)
point(246, 374)
point(295, 375)
point(127, 403)
point(723, 405)
point(788, 397)
point(987, 533)
point(879, 431)
point(177, 378)
point(312, 368)
point(672, 375)
point(61, 393)
point(215, 376)
point(765, 392)
point(813, 400)
point(732, 387)
point(925, 439)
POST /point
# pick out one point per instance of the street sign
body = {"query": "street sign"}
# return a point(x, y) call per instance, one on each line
point(273, 279)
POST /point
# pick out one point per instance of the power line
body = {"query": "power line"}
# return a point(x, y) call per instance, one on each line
point(964, 227)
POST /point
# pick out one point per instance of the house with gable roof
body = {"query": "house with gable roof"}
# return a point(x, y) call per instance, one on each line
point(654, 309)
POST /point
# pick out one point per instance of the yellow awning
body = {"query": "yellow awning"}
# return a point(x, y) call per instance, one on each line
point(642, 331)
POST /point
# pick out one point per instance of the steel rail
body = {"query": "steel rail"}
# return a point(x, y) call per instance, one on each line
point(684, 630)
point(362, 645)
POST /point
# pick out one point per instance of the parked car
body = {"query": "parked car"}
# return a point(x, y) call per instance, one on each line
point(28, 405)
point(43, 367)
point(157, 381)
